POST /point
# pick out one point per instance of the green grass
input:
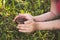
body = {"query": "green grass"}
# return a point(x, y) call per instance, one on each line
point(10, 8)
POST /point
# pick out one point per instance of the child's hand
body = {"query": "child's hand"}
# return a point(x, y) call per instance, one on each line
point(28, 27)
point(26, 16)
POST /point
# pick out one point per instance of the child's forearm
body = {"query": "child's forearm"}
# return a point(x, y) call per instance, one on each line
point(51, 25)
point(49, 15)
point(53, 7)
point(45, 17)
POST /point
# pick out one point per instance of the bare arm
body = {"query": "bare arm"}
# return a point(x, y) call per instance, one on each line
point(49, 15)
point(51, 25)
point(45, 17)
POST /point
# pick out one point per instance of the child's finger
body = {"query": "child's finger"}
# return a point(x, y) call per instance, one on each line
point(19, 16)
point(15, 18)
point(28, 22)
point(19, 25)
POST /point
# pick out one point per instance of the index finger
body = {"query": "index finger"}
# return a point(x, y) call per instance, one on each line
point(18, 16)
point(15, 18)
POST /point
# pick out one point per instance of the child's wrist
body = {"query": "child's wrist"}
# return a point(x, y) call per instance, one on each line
point(36, 26)
point(39, 26)
point(34, 18)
